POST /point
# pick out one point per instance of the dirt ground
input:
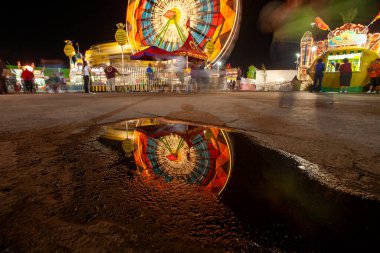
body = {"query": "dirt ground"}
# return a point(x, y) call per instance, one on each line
point(61, 191)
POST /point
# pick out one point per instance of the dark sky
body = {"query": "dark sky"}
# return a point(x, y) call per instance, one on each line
point(36, 30)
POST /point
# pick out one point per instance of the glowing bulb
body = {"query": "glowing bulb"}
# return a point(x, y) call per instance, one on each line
point(30, 68)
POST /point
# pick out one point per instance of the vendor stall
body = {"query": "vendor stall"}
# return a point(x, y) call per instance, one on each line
point(351, 41)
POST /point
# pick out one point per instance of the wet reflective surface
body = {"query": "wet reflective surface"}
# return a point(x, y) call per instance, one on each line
point(167, 150)
point(265, 203)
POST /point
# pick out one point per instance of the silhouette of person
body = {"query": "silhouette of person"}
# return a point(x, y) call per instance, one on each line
point(110, 72)
point(28, 78)
point(318, 78)
point(345, 75)
point(3, 74)
point(86, 77)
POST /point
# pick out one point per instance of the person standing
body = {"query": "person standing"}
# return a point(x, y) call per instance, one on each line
point(150, 75)
point(28, 78)
point(86, 77)
point(345, 75)
point(238, 78)
point(110, 72)
point(374, 76)
point(318, 77)
point(62, 83)
point(3, 75)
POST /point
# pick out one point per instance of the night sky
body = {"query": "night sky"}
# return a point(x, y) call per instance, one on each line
point(37, 30)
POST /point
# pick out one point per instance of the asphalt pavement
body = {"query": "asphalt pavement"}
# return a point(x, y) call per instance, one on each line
point(338, 132)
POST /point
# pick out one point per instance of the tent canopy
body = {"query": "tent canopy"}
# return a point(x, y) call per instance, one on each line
point(191, 50)
point(152, 53)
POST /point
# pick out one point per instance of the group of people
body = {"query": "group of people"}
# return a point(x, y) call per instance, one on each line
point(236, 84)
point(345, 70)
point(27, 77)
point(110, 72)
point(56, 83)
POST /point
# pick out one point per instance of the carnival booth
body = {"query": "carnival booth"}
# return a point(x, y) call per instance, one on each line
point(351, 41)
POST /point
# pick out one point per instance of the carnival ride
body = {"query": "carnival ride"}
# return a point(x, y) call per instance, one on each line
point(198, 30)
point(214, 25)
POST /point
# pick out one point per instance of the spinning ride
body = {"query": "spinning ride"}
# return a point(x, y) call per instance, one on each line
point(167, 24)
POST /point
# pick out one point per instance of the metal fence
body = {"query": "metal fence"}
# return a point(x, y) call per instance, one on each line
point(135, 79)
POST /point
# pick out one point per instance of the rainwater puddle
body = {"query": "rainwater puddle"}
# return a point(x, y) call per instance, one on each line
point(205, 182)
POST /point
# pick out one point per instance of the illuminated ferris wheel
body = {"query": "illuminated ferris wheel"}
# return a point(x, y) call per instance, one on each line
point(168, 23)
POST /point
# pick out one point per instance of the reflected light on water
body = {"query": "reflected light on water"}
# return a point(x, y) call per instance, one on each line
point(168, 150)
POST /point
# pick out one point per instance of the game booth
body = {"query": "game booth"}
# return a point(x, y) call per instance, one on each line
point(44, 78)
point(352, 41)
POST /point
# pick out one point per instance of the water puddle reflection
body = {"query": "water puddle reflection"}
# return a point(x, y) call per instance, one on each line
point(272, 193)
point(171, 150)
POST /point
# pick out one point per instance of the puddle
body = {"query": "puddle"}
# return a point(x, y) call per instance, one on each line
point(270, 192)
point(197, 155)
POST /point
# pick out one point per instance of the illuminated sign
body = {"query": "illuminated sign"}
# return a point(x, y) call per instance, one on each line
point(348, 38)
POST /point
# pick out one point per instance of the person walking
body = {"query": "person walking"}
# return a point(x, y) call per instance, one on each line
point(345, 75)
point(28, 77)
point(194, 77)
point(318, 77)
point(86, 77)
point(374, 76)
point(3, 75)
point(110, 72)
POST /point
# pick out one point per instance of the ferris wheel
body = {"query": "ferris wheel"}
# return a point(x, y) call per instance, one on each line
point(167, 24)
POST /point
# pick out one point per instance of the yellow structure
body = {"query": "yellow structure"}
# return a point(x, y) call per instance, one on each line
point(121, 35)
point(105, 53)
point(69, 49)
point(360, 59)
point(351, 41)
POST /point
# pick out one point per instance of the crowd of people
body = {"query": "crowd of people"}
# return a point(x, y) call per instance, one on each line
point(199, 78)
point(54, 83)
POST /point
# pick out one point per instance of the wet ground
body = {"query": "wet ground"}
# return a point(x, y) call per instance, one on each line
point(61, 190)
point(82, 196)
